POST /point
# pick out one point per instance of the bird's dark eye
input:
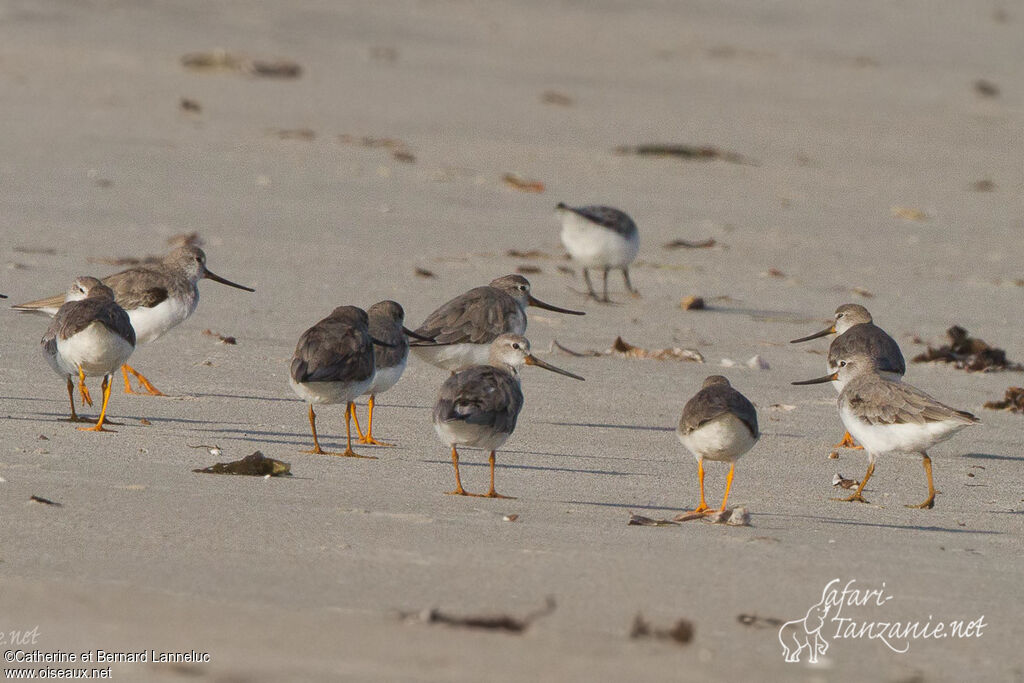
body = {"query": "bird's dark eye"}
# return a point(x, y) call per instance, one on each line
point(840, 315)
point(842, 363)
point(515, 346)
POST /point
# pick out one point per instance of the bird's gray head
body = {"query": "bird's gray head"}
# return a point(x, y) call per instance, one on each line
point(350, 315)
point(516, 286)
point(849, 315)
point(191, 261)
point(388, 310)
point(88, 287)
point(715, 380)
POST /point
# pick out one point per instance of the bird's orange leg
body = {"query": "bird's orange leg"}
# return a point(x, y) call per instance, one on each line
point(930, 503)
point(355, 419)
point(459, 491)
point(82, 388)
point(316, 450)
point(728, 485)
point(848, 442)
point(703, 507)
point(350, 410)
point(368, 439)
point(125, 369)
point(856, 497)
point(492, 493)
point(71, 397)
point(98, 427)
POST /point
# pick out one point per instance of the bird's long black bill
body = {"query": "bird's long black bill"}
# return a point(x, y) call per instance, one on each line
point(824, 332)
point(378, 342)
point(217, 278)
point(416, 335)
point(533, 301)
point(533, 360)
point(819, 380)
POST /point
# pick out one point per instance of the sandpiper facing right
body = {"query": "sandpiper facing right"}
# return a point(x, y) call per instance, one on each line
point(857, 333)
point(600, 237)
point(464, 328)
point(890, 417)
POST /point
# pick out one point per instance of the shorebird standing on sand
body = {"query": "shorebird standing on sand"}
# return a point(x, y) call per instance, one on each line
point(464, 328)
point(890, 417)
point(89, 335)
point(600, 237)
point(333, 363)
point(720, 424)
point(478, 407)
point(857, 333)
point(386, 324)
point(156, 296)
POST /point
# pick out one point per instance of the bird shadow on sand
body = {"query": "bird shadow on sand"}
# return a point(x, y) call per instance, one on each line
point(880, 525)
point(499, 465)
point(624, 506)
point(643, 428)
point(991, 456)
point(767, 316)
point(246, 397)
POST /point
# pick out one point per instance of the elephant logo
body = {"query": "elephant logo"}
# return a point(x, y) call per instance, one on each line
point(805, 634)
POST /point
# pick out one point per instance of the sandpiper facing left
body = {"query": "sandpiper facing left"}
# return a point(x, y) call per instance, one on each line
point(600, 237)
point(478, 407)
point(718, 423)
point(857, 333)
point(465, 326)
point(890, 417)
point(333, 363)
point(90, 335)
point(156, 296)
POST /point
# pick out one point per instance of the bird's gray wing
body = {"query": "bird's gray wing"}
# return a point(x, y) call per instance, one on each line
point(476, 317)
point(332, 352)
point(885, 403)
point(138, 287)
point(871, 339)
point(480, 395)
point(715, 401)
point(75, 316)
point(607, 217)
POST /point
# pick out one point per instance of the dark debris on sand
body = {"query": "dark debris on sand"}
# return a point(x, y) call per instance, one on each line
point(496, 622)
point(255, 465)
point(1013, 402)
point(967, 353)
point(680, 632)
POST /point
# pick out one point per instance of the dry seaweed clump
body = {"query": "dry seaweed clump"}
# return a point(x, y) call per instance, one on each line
point(255, 465)
point(967, 353)
point(1014, 401)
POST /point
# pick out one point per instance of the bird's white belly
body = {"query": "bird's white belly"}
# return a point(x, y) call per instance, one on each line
point(454, 357)
point(460, 433)
point(898, 438)
point(329, 392)
point(150, 323)
point(96, 349)
point(725, 439)
point(385, 378)
point(595, 247)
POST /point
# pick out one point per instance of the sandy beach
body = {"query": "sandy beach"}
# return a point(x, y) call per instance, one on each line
point(861, 152)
